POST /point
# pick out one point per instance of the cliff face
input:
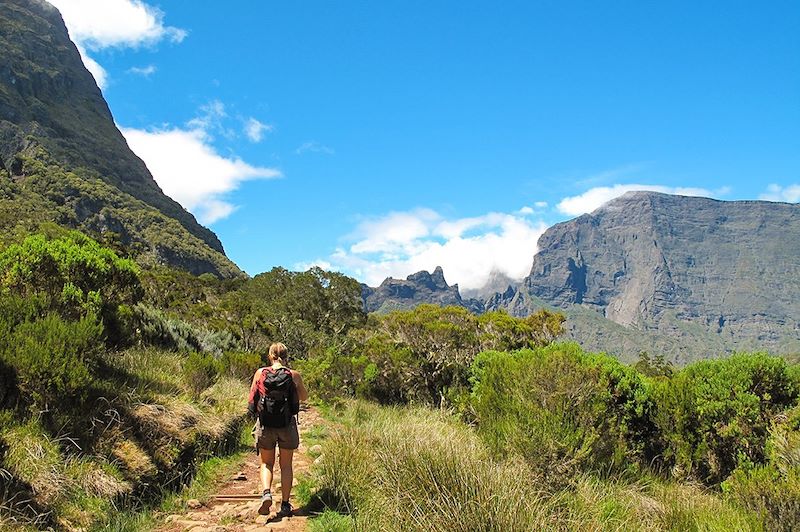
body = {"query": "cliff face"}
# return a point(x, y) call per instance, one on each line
point(680, 266)
point(50, 103)
point(420, 287)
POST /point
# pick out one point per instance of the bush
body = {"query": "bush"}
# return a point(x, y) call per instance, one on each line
point(775, 497)
point(54, 359)
point(561, 409)
point(75, 273)
point(240, 365)
point(773, 491)
point(715, 415)
point(200, 371)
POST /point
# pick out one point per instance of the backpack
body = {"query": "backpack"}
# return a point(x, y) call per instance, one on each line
point(278, 400)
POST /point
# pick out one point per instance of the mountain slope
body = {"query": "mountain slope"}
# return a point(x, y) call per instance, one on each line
point(420, 287)
point(702, 272)
point(51, 110)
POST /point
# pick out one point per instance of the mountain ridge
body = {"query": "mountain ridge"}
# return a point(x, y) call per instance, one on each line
point(52, 110)
point(683, 276)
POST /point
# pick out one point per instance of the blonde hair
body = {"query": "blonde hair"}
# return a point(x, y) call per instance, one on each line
point(278, 351)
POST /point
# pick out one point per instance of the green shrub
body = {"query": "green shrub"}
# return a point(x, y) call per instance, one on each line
point(715, 415)
point(240, 365)
point(71, 275)
point(72, 270)
point(561, 409)
point(200, 371)
point(54, 359)
point(774, 496)
point(773, 490)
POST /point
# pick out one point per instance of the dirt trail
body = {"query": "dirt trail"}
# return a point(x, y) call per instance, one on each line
point(226, 513)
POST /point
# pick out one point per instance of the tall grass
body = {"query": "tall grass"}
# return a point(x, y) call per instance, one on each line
point(419, 469)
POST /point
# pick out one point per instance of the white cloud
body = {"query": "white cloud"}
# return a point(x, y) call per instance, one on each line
point(595, 197)
point(188, 169)
point(97, 24)
point(145, 71)
point(254, 129)
point(314, 147)
point(537, 207)
point(468, 249)
point(788, 194)
point(211, 116)
point(305, 266)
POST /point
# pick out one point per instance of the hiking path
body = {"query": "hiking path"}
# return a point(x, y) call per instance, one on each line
point(234, 506)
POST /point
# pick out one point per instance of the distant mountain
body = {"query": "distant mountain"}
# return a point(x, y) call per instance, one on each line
point(63, 157)
point(498, 282)
point(693, 277)
point(421, 287)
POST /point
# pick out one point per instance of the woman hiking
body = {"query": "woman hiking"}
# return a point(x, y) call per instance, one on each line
point(275, 397)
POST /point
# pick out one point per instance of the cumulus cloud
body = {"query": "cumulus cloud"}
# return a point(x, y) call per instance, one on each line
point(254, 129)
point(788, 194)
point(314, 147)
point(469, 249)
point(189, 169)
point(145, 71)
point(597, 196)
point(97, 24)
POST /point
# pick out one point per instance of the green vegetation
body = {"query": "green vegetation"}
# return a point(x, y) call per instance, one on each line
point(120, 375)
point(561, 409)
point(419, 469)
point(46, 193)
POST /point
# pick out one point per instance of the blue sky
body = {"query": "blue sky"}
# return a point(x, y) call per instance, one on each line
point(380, 138)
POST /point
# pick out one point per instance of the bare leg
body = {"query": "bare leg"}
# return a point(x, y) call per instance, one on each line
point(287, 475)
point(267, 463)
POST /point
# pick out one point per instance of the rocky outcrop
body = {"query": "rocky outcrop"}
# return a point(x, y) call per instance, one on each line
point(49, 100)
point(497, 283)
point(724, 274)
point(418, 288)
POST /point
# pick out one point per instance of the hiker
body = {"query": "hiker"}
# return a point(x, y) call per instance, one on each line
point(275, 397)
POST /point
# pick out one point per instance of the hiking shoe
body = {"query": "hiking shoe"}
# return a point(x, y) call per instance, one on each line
point(286, 508)
point(266, 503)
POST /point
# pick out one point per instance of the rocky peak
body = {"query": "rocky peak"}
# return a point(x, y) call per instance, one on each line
point(670, 263)
point(417, 288)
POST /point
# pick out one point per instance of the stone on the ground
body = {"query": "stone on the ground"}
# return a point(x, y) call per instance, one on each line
point(194, 504)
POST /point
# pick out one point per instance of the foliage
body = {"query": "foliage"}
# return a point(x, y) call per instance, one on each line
point(715, 415)
point(443, 341)
point(200, 371)
point(80, 199)
point(72, 275)
point(657, 366)
point(561, 409)
point(419, 469)
point(442, 471)
point(54, 360)
point(301, 309)
point(773, 490)
point(241, 365)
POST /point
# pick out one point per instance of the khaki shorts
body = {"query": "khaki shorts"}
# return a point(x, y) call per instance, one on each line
point(285, 438)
